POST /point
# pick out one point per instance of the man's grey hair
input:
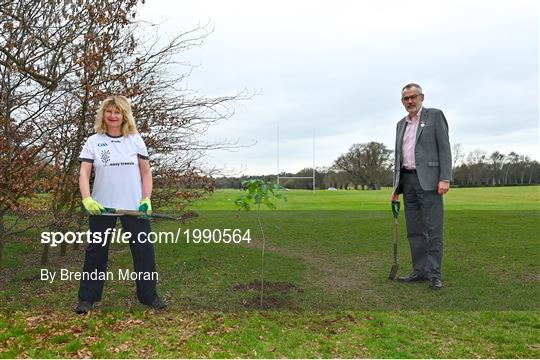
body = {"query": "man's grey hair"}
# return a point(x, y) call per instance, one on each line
point(411, 85)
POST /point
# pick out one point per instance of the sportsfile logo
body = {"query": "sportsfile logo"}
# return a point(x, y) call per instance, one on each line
point(54, 238)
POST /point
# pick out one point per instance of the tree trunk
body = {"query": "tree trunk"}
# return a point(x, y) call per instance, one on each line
point(45, 252)
point(2, 234)
point(45, 255)
point(262, 251)
point(63, 249)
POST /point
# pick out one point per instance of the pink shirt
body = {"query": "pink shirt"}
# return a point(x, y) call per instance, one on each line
point(409, 141)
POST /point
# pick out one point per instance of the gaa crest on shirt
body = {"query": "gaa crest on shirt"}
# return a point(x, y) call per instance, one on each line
point(105, 156)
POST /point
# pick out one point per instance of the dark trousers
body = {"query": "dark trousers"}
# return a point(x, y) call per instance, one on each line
point(96, 257)
point(424, 215)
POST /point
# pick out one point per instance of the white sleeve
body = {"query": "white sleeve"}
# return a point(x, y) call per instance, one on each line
point(87, 154)
point(142, 152)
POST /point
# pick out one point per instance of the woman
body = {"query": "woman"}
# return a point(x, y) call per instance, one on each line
point(123, 180)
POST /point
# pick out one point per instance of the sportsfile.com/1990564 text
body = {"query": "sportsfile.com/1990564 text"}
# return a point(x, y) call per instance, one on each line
point(111, 236)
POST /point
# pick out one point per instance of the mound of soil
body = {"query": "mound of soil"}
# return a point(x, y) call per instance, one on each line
point(277, 295)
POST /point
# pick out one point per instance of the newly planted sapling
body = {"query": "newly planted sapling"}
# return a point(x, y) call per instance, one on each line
point(260, 193)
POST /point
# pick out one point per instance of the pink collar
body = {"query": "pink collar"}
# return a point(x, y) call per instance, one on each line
point(415, 117)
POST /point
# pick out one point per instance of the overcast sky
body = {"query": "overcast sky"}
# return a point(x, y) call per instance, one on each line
point(336, 68)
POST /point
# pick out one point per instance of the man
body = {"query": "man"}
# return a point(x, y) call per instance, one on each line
point(422, 173)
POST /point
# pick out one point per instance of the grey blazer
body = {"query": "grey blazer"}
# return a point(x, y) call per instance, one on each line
point(433, 155)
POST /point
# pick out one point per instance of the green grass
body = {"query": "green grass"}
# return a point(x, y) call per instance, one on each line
point(327, 261)
point(492, 198)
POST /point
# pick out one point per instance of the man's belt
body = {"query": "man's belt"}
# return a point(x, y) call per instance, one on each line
point(408, 171)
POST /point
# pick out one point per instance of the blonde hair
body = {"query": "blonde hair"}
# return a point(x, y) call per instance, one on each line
point(122, 103)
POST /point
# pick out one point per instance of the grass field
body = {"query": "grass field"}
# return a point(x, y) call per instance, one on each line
point(327, 293)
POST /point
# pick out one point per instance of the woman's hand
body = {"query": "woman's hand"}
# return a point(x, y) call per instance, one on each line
point(146, 206)
point(92, 206)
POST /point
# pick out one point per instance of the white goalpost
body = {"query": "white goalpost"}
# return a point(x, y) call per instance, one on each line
point(312, 177)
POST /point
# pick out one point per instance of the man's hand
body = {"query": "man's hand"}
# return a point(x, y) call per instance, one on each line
point(395, 197)
point(443, 187)
point(92, 206)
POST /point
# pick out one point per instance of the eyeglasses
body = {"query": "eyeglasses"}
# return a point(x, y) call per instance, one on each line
point(412, 97)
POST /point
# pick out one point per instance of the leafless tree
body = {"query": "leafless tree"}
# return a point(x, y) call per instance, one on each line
point(58, 60)
point(458, 154)
point(37, 42)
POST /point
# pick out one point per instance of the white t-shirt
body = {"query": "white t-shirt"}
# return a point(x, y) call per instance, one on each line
point(117, 182)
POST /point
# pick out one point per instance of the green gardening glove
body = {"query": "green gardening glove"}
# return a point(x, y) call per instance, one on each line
point(92, 206)
point(145, 206)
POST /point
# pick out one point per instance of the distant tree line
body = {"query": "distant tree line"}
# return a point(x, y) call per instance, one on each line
point(366, 166)
point(370, 166)
point(480, 169)
point(324, 178)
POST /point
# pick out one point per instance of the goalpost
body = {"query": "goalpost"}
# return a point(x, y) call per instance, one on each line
point(312, 177)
